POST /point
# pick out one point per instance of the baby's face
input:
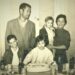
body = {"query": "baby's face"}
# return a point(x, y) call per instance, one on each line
point(41, 45)
point(13, 43)
point(49, 23)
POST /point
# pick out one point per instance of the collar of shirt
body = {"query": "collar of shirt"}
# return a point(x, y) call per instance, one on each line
point(14, 51)
point(22, 24)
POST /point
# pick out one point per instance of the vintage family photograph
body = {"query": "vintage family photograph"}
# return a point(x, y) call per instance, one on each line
point(37, 37)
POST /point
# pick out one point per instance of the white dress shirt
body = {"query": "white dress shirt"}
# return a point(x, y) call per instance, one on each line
point(15, 60)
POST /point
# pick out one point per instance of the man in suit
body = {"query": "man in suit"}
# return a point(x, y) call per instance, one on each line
point(22, 28)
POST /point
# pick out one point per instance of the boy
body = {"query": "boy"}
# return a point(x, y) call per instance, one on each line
point(12, 56)
point(40, 59)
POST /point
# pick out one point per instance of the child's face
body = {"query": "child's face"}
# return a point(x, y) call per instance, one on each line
point(49, 23)
point(13, 43)
point(61, 23)
point(41, 44)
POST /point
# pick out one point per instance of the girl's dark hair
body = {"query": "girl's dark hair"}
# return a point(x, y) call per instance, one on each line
point(9, 37)
point(40, 38)
point(61, 16)
point(49, 18)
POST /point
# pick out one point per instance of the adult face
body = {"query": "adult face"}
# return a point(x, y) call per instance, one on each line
point(60, 23)
point(25, 13)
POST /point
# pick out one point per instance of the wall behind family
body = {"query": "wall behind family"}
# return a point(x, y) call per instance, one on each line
point(40, 9)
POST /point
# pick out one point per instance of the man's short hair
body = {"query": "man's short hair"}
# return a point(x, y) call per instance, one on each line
point(49, 18)
point(9, 37)
point(24, 5)
point(61, 16)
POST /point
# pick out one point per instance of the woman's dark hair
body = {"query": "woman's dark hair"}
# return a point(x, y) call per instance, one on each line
point(49, 18)
point(9, 37)
point(61, 16)
point(24, 5)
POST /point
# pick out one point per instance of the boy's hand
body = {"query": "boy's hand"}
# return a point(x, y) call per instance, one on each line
point(2, 67)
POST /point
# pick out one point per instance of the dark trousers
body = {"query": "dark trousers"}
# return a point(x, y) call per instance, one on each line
point(60, 64)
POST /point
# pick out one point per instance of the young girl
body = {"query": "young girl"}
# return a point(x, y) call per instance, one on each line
point(39, 59)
